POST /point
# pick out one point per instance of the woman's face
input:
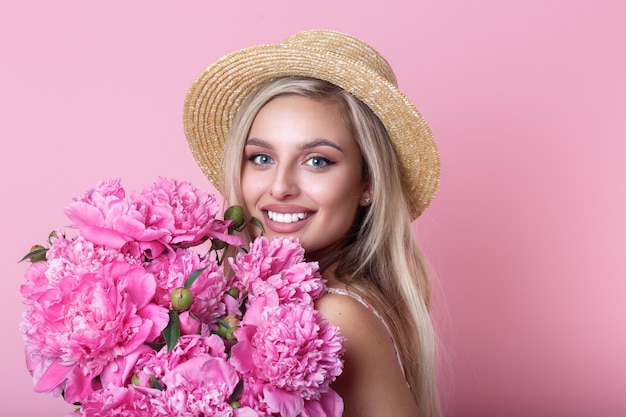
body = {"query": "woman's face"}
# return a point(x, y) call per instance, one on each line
point(301, 173)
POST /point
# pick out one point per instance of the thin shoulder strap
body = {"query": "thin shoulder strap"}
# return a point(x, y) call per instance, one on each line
point(371, 308)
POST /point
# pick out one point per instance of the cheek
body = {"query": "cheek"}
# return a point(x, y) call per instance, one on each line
point(250, 182)
point(346, 188)
point(342, 199)
point(249, 190)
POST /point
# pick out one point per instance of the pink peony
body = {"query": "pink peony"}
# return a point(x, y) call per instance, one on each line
point(157, 364)
point(188, 347)
point(106, 218)
point(300, 283)
point(117, 401)
point(66, 258)
point(278, 264)
point(293, 351)
point(187, 213)
point(200, 387)
point(74, 330)
point(36, 284)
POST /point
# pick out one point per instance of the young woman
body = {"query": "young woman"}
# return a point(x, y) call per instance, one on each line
point(313, 137)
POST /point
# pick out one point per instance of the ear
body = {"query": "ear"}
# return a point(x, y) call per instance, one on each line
point(366, 194)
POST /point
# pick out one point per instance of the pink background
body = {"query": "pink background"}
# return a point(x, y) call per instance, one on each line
point(527, 100)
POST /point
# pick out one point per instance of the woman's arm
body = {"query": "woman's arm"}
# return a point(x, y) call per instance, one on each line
point(372, 382)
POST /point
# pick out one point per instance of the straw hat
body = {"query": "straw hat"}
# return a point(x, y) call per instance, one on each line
point(215, 96)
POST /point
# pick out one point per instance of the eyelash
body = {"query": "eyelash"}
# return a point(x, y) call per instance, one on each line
point(326, 161)
point(254, 158)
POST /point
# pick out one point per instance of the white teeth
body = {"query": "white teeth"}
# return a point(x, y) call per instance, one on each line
point(285, 217)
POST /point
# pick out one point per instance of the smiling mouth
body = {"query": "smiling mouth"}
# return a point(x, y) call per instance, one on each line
point(286, 217)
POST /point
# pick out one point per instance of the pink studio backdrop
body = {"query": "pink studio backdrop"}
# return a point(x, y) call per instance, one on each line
point(526, 99)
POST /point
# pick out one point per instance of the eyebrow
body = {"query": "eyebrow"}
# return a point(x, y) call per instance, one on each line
point(308, 145)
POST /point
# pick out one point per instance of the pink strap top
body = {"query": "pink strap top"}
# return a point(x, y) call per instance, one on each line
point(371, 308)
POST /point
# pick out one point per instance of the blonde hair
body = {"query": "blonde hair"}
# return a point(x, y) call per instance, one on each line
point(382, 260)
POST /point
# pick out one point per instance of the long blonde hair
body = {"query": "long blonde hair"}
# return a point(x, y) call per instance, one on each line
point(382, 260)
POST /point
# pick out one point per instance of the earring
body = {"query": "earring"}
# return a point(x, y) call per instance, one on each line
point(367, 200)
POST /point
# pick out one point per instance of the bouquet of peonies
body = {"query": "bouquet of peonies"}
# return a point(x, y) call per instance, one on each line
point(128, 317)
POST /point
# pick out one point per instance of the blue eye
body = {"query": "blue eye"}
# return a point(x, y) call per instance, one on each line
point(261, 159)
point(318, 162)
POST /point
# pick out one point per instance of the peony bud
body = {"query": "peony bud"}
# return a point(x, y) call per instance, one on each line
point(227, 327)
point(181, 299)
point(37, 253)
point(142, 379)
point(233, 292)
point(234, 213)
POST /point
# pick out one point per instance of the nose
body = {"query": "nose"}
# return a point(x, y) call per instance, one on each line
point(284, 184)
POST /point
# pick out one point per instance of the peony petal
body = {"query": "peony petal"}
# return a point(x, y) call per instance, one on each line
point(256, 307)
point(313, 409)
point(120, 371)
point(81, 213)
point(152, 249)
point(133, 227)
point(52, 376)
point(188, 324)
point(244, 412)
point(141, 284)
point(285, 403)
point(241, 353)
point(105, 237)
point(329, 405)
point(205, 368)
point(224, 237)
point(159, 317)
point(217, 369)
point(78, 387)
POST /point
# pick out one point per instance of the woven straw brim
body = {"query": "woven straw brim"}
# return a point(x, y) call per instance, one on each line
point(217, 93)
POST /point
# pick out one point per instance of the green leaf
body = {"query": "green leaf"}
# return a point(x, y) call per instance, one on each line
point(258, 224)
point(154, 382)
point(35, 255)
point(242, 305)
point(155, 346)
point(237, 391)
point(217, 245)
point(194, 276)
point(172, 330)
point(223, 323)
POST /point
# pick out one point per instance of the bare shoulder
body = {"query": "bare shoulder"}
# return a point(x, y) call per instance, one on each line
point(366, 335)
point(372, 382)
point(343, 310)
